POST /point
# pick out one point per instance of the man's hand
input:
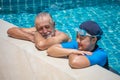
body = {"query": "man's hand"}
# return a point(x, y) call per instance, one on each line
point(81, 52)
point(38, 37)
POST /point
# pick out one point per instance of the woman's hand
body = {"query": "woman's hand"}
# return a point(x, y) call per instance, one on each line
point(81, 52)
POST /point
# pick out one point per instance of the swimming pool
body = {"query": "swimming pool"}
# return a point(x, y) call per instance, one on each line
point(68, 14)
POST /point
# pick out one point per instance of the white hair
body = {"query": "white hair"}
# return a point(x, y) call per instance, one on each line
point(45, 14)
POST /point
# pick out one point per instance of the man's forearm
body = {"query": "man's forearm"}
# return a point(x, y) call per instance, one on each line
point(39, 41)
point(19, 34)
point(38, 37)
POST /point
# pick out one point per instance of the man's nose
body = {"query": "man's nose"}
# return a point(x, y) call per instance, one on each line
point(44, 30)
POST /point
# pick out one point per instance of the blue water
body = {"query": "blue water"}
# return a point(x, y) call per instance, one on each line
point(106, 15)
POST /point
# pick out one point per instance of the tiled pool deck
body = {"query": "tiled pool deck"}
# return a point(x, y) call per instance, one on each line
point(105, 12)
point(20, 60)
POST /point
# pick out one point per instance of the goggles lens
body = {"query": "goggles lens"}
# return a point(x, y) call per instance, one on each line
point(82, 32)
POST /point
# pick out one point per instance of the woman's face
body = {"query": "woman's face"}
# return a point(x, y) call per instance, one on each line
point(84, 42)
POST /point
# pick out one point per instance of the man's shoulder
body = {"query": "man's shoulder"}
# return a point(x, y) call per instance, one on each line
point(62, 36)
point(58, 33)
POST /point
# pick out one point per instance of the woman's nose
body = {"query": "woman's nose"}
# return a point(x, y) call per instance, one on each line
point(78, 40)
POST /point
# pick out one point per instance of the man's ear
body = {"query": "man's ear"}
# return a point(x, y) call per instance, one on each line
point(94, 40)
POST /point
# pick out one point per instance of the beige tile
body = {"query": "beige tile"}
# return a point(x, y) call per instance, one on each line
point(20, 60)
point(13, 63)
point(45, 71)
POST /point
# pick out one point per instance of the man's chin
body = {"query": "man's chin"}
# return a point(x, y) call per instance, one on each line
point(47, 36)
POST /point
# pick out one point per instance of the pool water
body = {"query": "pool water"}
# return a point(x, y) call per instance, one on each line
point(106, 15)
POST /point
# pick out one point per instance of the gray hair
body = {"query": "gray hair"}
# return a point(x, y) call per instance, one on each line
point(45, 14)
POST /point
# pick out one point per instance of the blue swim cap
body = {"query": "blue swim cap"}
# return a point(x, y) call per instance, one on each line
point(92, 28)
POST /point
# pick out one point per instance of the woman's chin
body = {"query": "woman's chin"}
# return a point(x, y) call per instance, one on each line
point(81, 49)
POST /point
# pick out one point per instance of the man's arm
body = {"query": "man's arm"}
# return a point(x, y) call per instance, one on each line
point(42, 43)
point(22, 33)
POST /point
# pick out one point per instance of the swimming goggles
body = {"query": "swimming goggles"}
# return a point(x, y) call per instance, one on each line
point(83, 33)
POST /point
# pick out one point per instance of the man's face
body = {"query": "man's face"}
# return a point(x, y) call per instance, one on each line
point(84, 42)
point(44, 27)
